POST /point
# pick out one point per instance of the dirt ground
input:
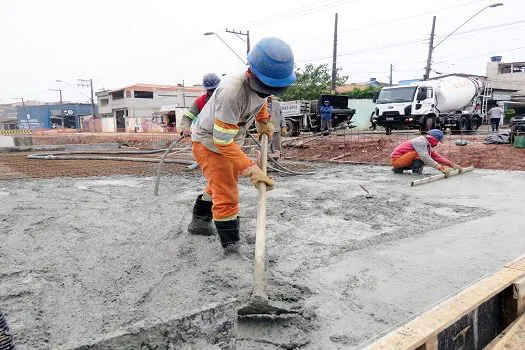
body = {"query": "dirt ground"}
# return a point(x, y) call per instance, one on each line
point(82, 257)
point(365, 148)
point(376, 149)
point(15, 165)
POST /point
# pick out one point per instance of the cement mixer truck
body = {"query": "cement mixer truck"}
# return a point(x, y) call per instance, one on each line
point(457, 102)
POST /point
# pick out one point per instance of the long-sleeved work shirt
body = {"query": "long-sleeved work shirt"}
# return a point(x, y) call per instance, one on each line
point(326, 112)
point(222, 123)
point(276, 115)
point(421, 145)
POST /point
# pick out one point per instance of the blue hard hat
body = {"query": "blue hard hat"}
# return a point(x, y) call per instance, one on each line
point(271, 61)
point(437, 134)
point(210, 81)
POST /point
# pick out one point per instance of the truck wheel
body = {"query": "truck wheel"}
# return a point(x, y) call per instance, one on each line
point(292, 128)
point(464, 124)
point(475, 123)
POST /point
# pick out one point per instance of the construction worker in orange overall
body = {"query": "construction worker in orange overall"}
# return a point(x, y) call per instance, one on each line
point(416, 153)
point(219, 133)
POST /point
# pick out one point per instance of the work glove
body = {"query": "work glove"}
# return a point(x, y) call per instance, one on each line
point(264, 127)
point(186, 133)
point(457, 167)
point(257, 176)
point(444, 169)
point(283, 131)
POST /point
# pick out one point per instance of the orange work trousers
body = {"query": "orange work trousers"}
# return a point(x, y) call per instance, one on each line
point(222, 178)
point(405, 161)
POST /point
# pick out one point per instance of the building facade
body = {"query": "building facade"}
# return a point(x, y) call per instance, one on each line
point(48, 115)
point(142, 107)
point(505, 78)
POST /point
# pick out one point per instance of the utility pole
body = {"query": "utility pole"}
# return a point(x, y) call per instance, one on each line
point(23, 108)
point(88, 83)
point(61, 107)
point(23, 103)
point(334, 59)
point(430, 50)
point(247, 35)
point(391, 69)
point(183, 95)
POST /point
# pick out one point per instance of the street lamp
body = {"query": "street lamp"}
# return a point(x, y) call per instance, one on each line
point(468, 20)
point(431, 47)
point(224, 42)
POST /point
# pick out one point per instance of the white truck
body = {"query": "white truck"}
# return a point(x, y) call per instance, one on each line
point(455, 101)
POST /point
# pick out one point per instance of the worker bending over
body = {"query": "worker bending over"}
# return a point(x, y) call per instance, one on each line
point(416, 153)
point(219, 132)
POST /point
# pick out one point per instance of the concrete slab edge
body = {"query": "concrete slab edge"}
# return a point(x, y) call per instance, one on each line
point(211, 327)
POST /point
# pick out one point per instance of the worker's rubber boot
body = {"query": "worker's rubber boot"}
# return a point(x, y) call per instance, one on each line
point(398, 170)
point(229, 236)
point(417, 167)
point(201, 221)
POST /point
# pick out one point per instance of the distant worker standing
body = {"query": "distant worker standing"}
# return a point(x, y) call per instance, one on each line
point(416, 153)
point(210, 82)
point(326, 111)
point(219, 134)
point(495, 114)
point(279, 125)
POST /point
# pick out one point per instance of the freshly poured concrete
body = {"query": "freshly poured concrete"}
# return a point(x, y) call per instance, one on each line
point(82, 258)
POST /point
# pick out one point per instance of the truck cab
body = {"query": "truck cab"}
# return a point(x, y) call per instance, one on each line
point(404, 107)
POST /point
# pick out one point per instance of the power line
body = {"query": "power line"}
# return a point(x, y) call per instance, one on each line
point(412, 16)
point(385, 46)
point(394, 20)
point(297, 12)
point(485, 28)
point(481, 55)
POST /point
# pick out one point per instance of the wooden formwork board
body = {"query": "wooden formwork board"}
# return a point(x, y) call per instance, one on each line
point(513, 337)
point(469, 320)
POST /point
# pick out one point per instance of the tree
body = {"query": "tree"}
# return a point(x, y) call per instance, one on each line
point(312, 82)
point(366, 93)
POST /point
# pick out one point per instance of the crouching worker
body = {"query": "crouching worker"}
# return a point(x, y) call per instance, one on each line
point(219, 133)
point(416, 153)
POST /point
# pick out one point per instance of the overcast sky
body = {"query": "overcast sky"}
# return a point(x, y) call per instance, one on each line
point(120, 43)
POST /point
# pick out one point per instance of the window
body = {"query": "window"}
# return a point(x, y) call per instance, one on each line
point(117, 95)
point(512, 68)
point(104, 101)
point(143, 94)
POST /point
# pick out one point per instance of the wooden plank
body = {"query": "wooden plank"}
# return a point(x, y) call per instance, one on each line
point(514, 338)
point(439, 176)
point(519, 296)
point(428, 325)
point(496, 340)
point(518, 264)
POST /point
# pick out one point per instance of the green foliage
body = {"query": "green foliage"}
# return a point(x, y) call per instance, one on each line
point(312, 82)
point(509, 113)
point(367, 93)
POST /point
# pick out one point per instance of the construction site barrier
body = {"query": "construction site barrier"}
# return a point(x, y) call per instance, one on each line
point(16, 132)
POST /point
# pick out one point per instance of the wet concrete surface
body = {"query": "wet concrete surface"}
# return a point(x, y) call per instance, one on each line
point(81, 258)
